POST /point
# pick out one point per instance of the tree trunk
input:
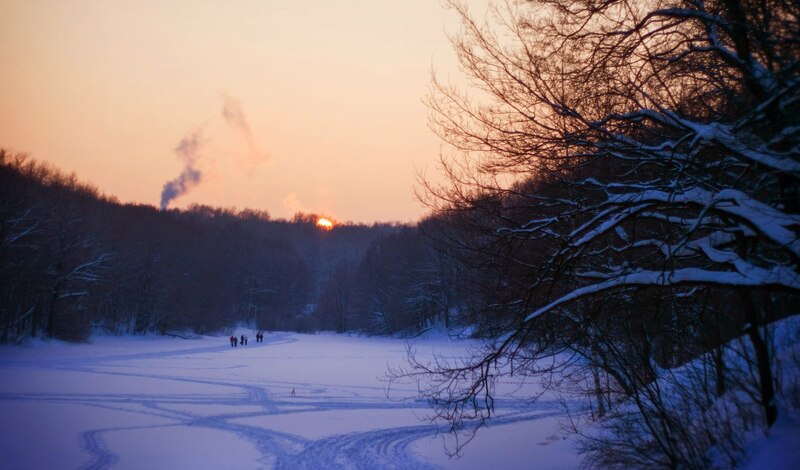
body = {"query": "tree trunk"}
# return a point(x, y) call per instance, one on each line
point(719, 370)
point(598, 386)
point(766, 387)
point(52, 312)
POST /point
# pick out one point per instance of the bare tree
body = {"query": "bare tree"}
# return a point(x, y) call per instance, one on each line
point(19, 225)
point(610, 149)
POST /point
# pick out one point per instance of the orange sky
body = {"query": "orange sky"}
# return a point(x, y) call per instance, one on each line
point(327, 98)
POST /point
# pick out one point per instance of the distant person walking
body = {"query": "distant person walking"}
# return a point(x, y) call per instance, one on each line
point(241, 340)
point(235, 342)
point(232, 340)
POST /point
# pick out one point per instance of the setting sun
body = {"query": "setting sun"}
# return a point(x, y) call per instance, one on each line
point(325, 224)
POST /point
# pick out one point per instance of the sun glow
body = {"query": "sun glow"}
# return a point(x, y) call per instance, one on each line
point(325, 224)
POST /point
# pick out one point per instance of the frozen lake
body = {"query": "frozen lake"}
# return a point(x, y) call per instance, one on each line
point(154, 402)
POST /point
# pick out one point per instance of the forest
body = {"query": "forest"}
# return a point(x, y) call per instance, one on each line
point(74, 260)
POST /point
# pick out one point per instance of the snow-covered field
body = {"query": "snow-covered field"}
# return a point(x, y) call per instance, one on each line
point(154, 402)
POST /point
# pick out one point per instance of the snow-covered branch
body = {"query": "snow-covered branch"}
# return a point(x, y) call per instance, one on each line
point(777, 276)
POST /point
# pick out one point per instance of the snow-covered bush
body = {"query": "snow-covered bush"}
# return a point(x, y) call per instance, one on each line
point(679, 421)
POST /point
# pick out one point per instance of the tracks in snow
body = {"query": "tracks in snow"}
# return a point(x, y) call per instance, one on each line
point(381, 448)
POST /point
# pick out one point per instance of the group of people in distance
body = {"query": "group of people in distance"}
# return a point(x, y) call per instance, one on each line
point(235, 342)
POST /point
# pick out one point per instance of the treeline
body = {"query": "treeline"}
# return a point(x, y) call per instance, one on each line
point(72, 259)
point(403, 283)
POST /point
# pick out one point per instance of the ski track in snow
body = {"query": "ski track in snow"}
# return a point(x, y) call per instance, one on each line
point(381, 448)
point(92, 443)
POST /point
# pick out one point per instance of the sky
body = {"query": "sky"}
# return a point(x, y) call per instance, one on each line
point(284, 106)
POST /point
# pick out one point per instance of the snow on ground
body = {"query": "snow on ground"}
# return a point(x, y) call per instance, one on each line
point(780, 450)
point(153, 402)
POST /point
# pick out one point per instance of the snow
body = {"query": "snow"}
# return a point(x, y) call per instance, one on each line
point(780, 450)
point(772, 223)
point(153, 402)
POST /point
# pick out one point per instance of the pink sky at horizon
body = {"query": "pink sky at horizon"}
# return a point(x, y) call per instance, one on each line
point(330, 97)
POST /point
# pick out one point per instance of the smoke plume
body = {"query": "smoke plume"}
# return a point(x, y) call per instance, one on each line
point(292, 204)
point(234, 116)
point(188, 150)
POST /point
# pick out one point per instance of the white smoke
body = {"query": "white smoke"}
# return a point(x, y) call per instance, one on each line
point(188, 150)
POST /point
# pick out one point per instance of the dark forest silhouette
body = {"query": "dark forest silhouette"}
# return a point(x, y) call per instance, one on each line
point(73, 259)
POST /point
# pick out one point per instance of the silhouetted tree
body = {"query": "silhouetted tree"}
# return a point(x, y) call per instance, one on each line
point(625, 153)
